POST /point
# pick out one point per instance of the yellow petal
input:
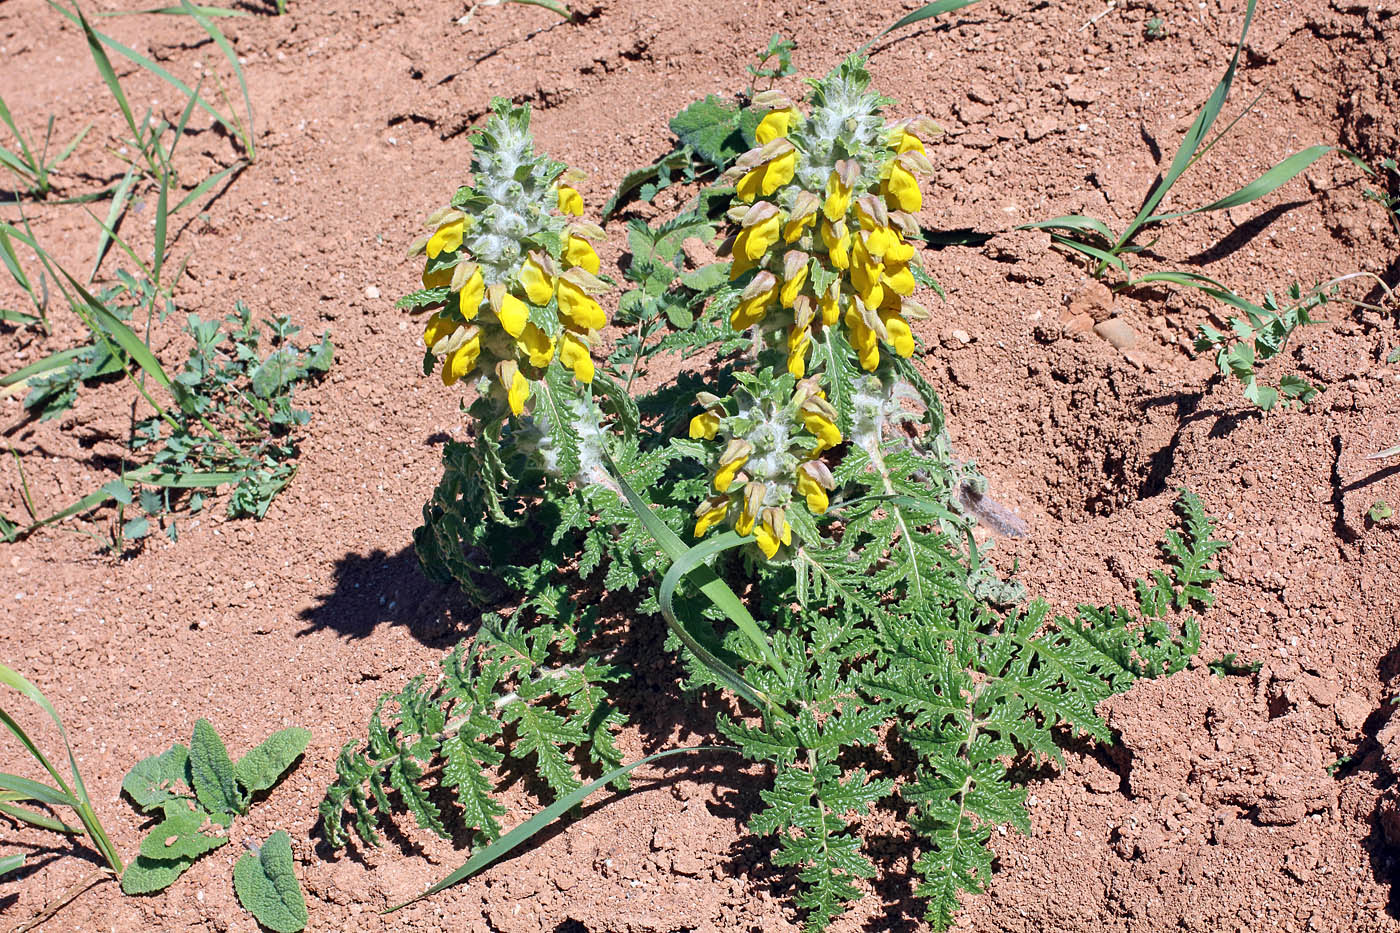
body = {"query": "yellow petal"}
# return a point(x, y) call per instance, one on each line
point(826, 433)
point(908, 141)
point(902, 190)
point(579, 252)
point(537, 345)
point(793, 287)
point(767, 543)
point(513, 314)
point(518, 393)
point(797, 226)
point(838, 248)
point(460, 361)
point(710, 518)
point(574, 354)
point(447, 238)
point(749, 186)
point(779, 172)
point(724, 476)
point(439, 326)
point(579, 309)
point(469, 298)
point(838, 198)
point(817, 499)
point(570, 201)
point(539, 285)
point(777, 123)
point(830, 306)
point(743, 524)
point(866, 344)
point(901, 280)
point(705, 425)
point(437, 279)
point(901, 337)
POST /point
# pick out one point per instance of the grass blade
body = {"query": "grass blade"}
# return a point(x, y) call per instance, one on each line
point(1195, 136)
point(109, 75)
point(1078, 223)
point(114, 216)
point(33, 790)
point(1267, 183)
point(217, 35)
point(1092, 251)
point(17, 317)
point(34, 818)
point(9, 863)
point(208, 183)
point(1205, 284)
point(1382, 454)
point(927, 11)
point(178, 11)
point(138, 59)
point(521, 834)
point(553, 6)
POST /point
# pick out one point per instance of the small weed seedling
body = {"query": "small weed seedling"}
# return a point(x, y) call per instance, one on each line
point(815, 475)
point(1379, 511)
point(69, 793)
point(1094, 240)
point(196, 792)
point(30, 167)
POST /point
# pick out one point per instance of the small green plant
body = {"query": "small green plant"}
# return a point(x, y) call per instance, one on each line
point(876, 660)
point(1385, 196)
point(30, 167)
point(1229, 665)
point(196, 791)
point(69, 793)
point(1379, 511)
point(1095, 241)
point(1262, 334)
point(1155, 29)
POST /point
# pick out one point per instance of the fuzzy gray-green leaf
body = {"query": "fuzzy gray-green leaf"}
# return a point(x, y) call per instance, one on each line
point(212, 773)
point(178, 836)
point(264, 766)
point(154, 780)
point(267, 886)
point(147, 875)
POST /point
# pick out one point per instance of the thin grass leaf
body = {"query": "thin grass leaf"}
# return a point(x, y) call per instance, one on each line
point(1195, 136)
point(144, 62)
point(178, 11)
point(17, 317)
point(1265, 184)
point(218, 36)
point(68, 149)
point(114, 215)
point(29, 162)
point(1381, 454)
point(109, 75)
point(1091, 251)
point(1205, 284)
point(554, 6)
point(484, 858)
point(208, 183)
point(9, 863)
point(33, 790)
point(927, 11)
point(1076, 222)
point(34, 818)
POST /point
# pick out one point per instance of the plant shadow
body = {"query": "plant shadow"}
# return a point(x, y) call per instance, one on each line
point(379, 588)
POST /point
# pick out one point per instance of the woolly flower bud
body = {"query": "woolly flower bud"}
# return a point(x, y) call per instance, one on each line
point(507, 258)
point(833, 195)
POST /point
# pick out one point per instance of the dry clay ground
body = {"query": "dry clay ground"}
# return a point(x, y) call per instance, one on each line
point(1220, 809)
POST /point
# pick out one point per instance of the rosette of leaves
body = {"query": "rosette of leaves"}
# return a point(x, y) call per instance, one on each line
point(510, 274)
point(195, 792)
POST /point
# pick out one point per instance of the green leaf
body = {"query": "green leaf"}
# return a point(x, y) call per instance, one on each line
point(711, 128)
point(264, 766)
point(212, 773)
point(267, 886)
point(147, 876)
point(9, 863)
point(153, 781)
point(927, 11)
point(277, 372)
point(1265, 184)
point(178, 836)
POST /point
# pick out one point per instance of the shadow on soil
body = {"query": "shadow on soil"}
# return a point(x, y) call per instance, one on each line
point(379, 588)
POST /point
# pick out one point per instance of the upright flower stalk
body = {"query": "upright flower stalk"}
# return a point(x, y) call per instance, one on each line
point(824, 204)
point(511, 275)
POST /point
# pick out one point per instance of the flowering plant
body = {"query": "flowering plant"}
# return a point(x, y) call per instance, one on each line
point(870, 613)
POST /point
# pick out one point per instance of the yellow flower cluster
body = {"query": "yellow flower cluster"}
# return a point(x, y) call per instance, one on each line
point(832, 253)
point(760, 473)
point(486, 327)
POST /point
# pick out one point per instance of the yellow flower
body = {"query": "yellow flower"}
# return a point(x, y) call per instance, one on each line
point(799, 342)
point(743, 524)
point(901, 189)
point(439, 326)
point(830, 305)
point(437, 279)
point(517, 386)
point(865, 341)
point(539, 284)
point(447, 237)
point(838, 244)
point(908, 141)
point(901, 337)
point(537, 345)
point(817, 499)
point(838, 198)
point(899, 251)
point(779, 172)
point(705, 425)
point(710, 513)
point(573, 353)
point(570, 201)
point(579, 309)
point(579, 252)
point(754, 303)
point(865, 273)
point(806, 209)
point(773, 529)
point(513, 315)
point(793, 286)
point(823, 428)
point(776, 123)
point(900, 279)
point(461, 361)
point(730, 463)
point(469, 298)
point(754, 241)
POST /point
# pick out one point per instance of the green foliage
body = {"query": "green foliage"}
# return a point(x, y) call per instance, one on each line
point(197, 791)
point(508, 698)
point(267, 887)
point(1388, 195)
point(30, 167)
point(1259, 336)
point(1228, 665)
point(1379, 511)
point(69, 792)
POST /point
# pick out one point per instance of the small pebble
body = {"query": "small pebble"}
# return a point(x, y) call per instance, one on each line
point(372, 292)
